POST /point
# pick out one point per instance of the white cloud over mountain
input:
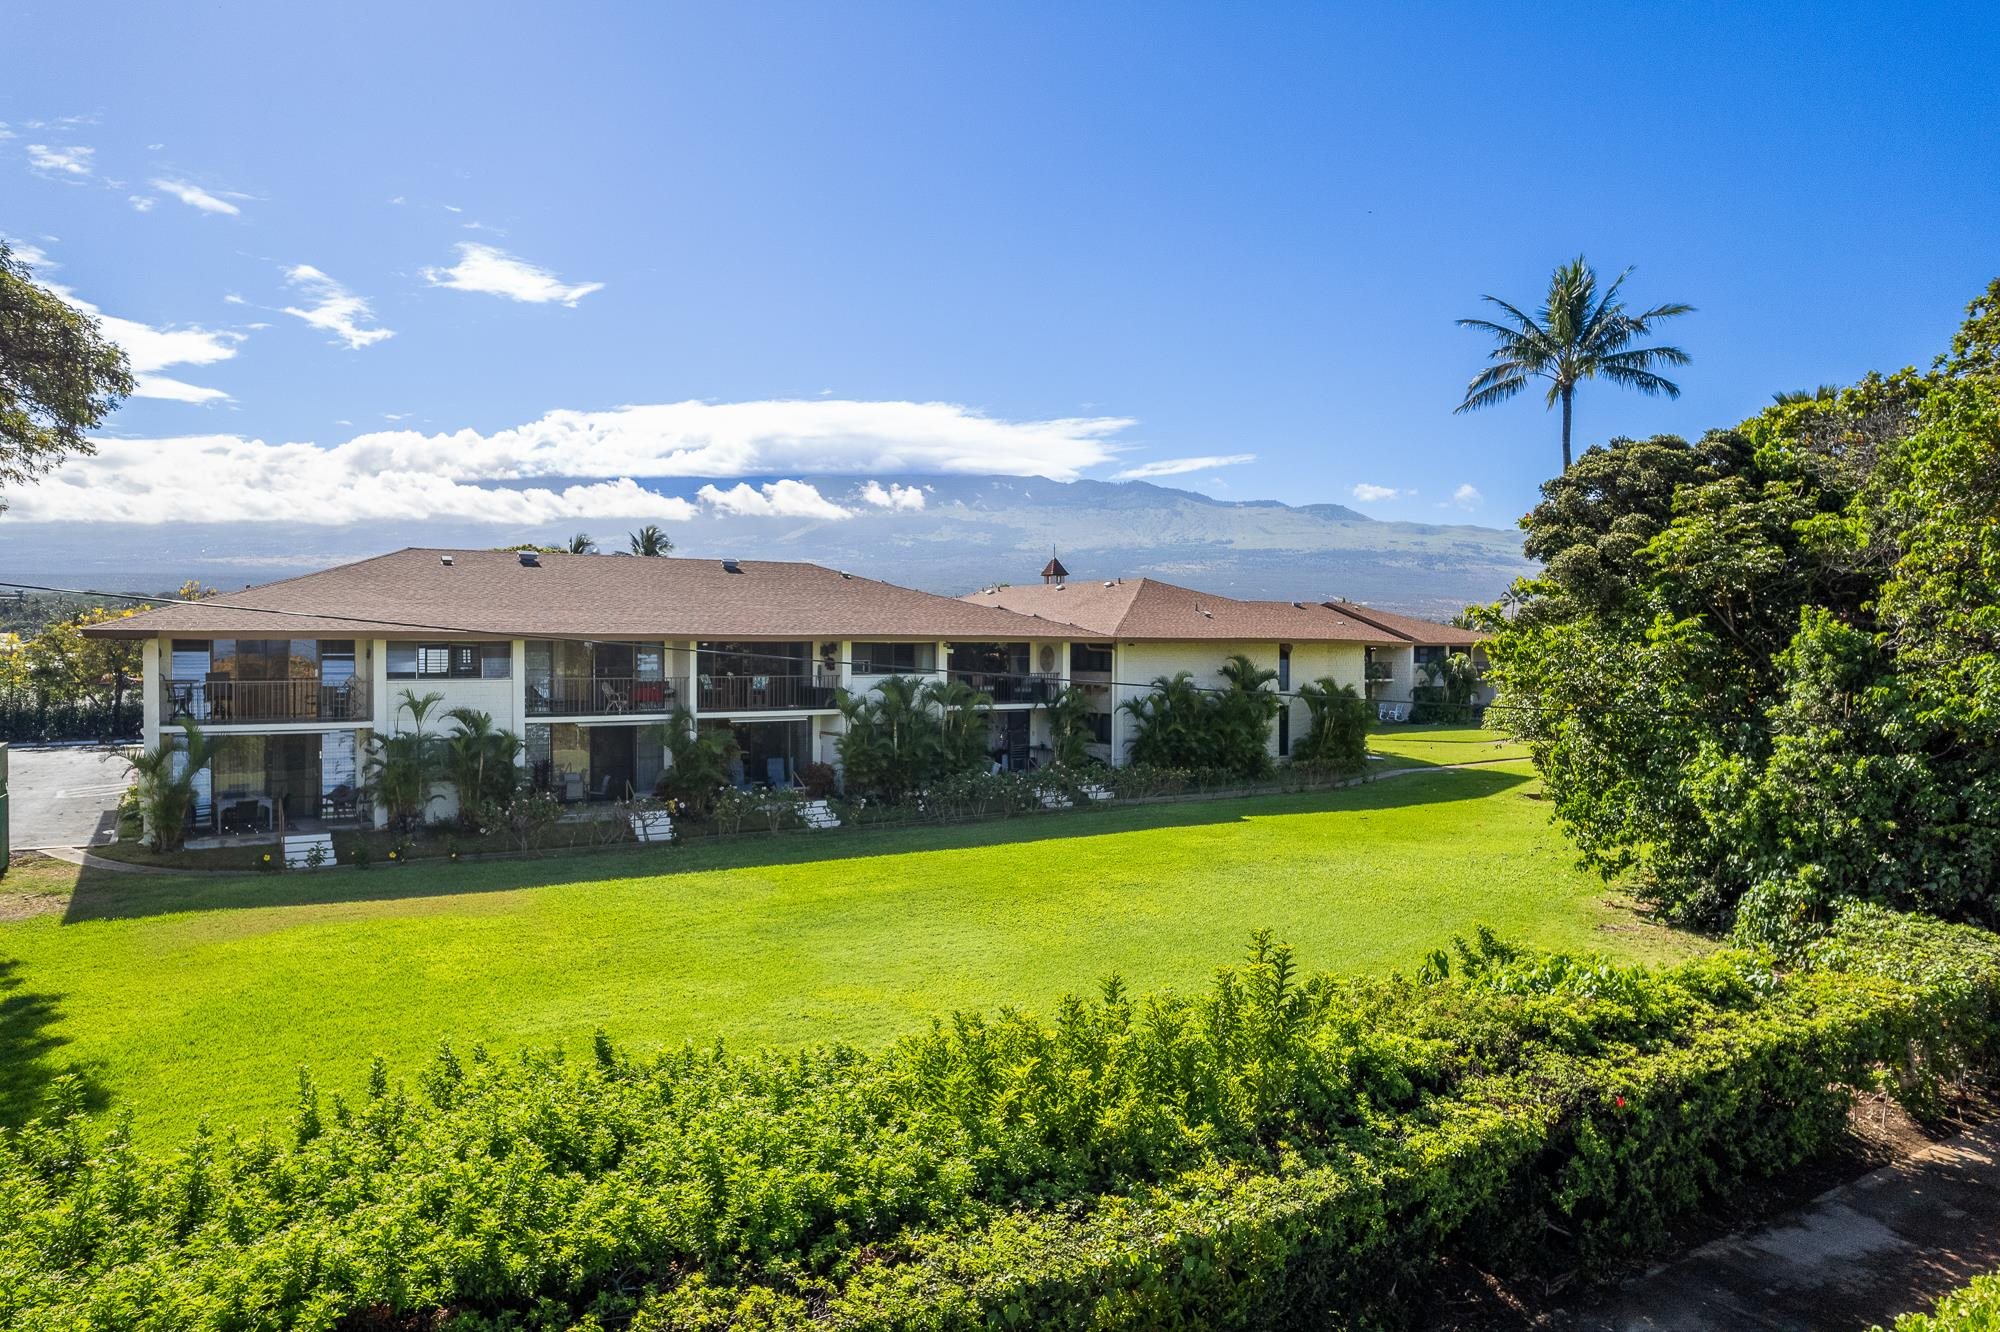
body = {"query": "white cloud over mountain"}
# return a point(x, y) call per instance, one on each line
point(1182, 466)
point(565, 465)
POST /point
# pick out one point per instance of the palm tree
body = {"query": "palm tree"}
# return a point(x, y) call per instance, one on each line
point(1578, 335)
point(165, 784)
point(1069, 711)
point(405, 767)
point(478, 760)
point(650, 540)
point(581, 544)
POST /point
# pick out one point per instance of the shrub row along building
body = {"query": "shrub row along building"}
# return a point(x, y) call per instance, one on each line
point(585, 655)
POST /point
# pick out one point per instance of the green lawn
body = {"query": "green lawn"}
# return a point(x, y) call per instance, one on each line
point(1405, 746)
point(179, 997)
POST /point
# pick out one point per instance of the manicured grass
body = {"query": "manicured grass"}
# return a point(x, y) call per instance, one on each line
point(186, 996)
point(1405, 746)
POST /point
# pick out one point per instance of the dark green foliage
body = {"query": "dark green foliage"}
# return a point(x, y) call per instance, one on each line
point(1445, 690)
point(1182, 725)
point(1277, 1151)
point(1764, 669)
point(1337, 735)
point(909, 733)
point(480, 761)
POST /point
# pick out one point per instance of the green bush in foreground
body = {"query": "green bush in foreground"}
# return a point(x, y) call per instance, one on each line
point(1277, 1151)
point(1973, 1308)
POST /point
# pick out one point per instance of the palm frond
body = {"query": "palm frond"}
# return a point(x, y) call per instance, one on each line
point(1492, 393)
point(1643, 380)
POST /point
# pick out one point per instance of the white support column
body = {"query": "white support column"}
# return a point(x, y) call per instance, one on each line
point(518, 673)
point(151, 658)
point(383, 710)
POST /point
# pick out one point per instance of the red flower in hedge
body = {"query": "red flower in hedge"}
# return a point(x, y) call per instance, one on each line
point(1621, 1103)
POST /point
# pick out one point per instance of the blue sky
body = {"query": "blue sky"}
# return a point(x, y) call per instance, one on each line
point(868, 240)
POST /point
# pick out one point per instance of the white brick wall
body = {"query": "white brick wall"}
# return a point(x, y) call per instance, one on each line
point(1137, 664)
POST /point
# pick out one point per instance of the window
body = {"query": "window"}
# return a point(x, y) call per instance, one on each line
point(1100, 727)
point(1285, 732)
point(450, 661)
point(1430, 656)
point(894, 658)
point(1284, 669)
point(1089, 657)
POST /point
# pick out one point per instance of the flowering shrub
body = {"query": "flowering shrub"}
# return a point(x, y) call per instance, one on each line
point(1275, 1151)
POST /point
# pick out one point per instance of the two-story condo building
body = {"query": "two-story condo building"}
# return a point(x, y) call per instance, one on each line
point(584, 656)
point(1139, 629)
point(581, 655)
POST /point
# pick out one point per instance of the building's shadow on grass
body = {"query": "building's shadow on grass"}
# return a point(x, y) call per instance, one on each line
point(29, 1048)
point(112, 895)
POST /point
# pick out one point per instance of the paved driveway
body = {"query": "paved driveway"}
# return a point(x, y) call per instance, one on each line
point(63, 796)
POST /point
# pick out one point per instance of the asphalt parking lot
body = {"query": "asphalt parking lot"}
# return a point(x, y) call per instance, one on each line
point(63, 795)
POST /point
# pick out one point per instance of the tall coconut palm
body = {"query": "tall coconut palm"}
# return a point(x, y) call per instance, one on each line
point(1578, 334)
point(650, 540)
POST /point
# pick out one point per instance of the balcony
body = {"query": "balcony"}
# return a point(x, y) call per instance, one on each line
point(1011, 686)
point(309, 699)
point(600, 696)
point(764, 693)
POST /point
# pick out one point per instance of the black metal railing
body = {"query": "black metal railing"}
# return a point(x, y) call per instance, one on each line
point(1011, 686)
point(308, 699)
point(600, 695)
point(763, 693)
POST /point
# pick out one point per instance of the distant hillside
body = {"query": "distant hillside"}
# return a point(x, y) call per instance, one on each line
point(972, 531)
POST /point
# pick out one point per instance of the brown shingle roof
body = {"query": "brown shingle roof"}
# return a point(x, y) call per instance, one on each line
point(1146, 608)
point(490, 593)
point(1425, 633)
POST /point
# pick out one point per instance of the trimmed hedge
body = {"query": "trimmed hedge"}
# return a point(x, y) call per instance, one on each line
point(1974, 1307)
point(1277, 1151)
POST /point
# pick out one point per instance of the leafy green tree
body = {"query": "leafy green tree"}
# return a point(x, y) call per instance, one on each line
point(1178, 724)
point(1336, 734)
point(59, 376)
point(1578, 334)
point(164, 780)
point(909, 732)
point(650, 540)
point(581, 544)
point(1763, 671)
point(480, 761)
point(405, 767)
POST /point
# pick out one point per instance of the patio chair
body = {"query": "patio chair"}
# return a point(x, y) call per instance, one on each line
point(774, 774)
point(603, 791)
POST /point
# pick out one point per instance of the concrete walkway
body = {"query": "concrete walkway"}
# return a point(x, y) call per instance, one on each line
point(1857, 1255)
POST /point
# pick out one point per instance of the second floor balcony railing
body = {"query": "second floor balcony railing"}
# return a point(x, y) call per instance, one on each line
point(764, 693)
point(301, 700)
point(600, 695)
point(1011, 686)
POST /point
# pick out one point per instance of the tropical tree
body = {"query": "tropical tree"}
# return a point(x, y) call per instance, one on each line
point(1069, 712)
point(1170, 723)
point(165, 784)
point(964, 724)
point(1578, 334)
point(581, 544)
point(59, 376)
point(1336, 733)
point(650, 540)
point(479, 759)
point(1445, 695)
point(1243, 715)
point(700, 760)
point(405, 767)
